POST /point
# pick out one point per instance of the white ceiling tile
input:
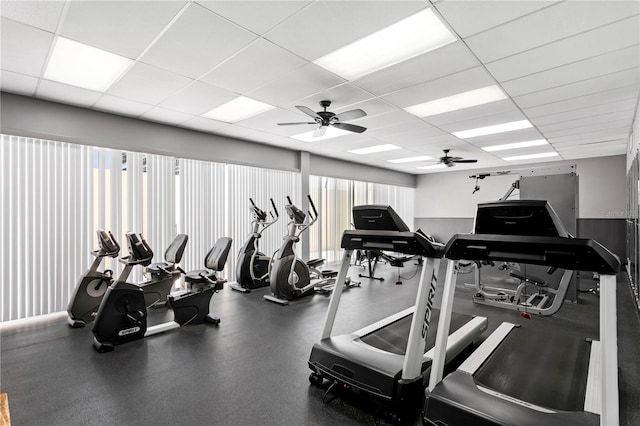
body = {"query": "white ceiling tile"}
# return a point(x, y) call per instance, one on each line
point(600, 136)
point(254, 66)
point(256, 16)
point(58, 92)
point(40, 14)
point(438, 63)
point(122, 27)
point(603, 118)
point(580, 88)
point(325, 26)
point(298, 84)
point(121, 106)
point(584, 130)
point(619, 60)
point(18, 83)
point(23, 49)
point(471, 17)
point(446, 86)
point(545, 26)
point(196, 42)
point(268, 121)
point(343, 98)
point(628, 105)
point(203, 124)
point(197, 98)
point(582, 46)
point(147, 84)
point(166, 116)
point(594, 99)
point(388, 119)
point(477, 112)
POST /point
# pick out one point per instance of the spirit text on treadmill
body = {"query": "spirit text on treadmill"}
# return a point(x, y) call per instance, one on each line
point(427, 312)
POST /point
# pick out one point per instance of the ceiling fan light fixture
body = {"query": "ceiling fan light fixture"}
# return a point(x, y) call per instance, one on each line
point(331, 132)
point(411, 159)
point(515, 145)
point(237, 109)
point(531, 156)
point(374, 149)
point(468, 99)
point(491, 130)
point(417, 34)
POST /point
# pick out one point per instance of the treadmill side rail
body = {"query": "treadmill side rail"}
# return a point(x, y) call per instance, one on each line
point(480, 355)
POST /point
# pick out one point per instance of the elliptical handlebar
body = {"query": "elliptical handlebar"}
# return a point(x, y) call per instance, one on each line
point(313, 207)
point(275, 210)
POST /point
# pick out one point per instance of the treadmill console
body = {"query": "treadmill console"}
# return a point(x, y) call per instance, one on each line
point(519, 217)
point(378, 218)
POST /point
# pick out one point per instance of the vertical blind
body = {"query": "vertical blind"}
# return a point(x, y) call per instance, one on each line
point(55, 196)
point(335, 200)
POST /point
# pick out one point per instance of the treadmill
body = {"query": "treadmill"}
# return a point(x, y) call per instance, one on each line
point(520, 376)
point(388, 361)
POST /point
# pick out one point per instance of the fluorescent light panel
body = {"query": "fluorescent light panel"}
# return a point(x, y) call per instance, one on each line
point(531, 156)
point(515, 145)
point(80, 65)
point(468, 99)
point(373, 149)
point(413, 36)
point(435, 166)
point(491, 130)
point(237, 109)
point(411, 159)
point(331, 132)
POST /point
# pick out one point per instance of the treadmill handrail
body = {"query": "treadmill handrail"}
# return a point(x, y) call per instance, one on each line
point(579, 254)
point(405, 242)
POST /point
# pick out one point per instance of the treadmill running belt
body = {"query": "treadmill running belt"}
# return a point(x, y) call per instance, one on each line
point(549, 370)
point(393, 338)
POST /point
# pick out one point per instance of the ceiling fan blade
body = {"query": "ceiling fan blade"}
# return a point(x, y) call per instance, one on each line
point(309, 112)
point(320, 131)
point(349, 127)
point(350, 115)
point(294, 124)
point(464, 161)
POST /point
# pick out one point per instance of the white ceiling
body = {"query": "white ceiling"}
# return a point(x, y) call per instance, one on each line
point(572, 68)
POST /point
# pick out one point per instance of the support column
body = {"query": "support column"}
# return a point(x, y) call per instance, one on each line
point(305, 160)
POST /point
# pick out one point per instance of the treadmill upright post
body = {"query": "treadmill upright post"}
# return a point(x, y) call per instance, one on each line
point(440, 348)
point(412, 363)
point(335, 296)
point(609, 344)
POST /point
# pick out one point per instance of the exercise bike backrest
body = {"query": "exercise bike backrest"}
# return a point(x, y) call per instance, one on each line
point(217, 256)
point(139, 251)
point(174, 252)
point(108, 245)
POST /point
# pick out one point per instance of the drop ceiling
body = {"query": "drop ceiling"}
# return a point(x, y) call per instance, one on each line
point(572, 68)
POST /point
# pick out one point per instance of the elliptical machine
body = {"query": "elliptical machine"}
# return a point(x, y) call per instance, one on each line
point(122, 316)
point(92, 285)
point(252, 267)
point(290, 277)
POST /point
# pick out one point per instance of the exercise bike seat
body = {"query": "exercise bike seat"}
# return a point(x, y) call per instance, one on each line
point(528, 278)
point(214, 262)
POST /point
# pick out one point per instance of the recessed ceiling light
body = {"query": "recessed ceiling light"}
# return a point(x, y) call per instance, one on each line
point(515, 145)
point(435, 166)
point(237, 109)
point(331, 132)
point(490, 130)
point(413, 36)
point(468, 99)
point(531, 156)
point(84, 66)
point(411, 159)
point(373, 149)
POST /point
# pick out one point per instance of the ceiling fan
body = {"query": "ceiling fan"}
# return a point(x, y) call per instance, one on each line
point(452, 161)
point(327, 118)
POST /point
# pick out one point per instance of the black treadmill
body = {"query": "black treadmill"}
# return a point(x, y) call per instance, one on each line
point(389, 360)
point(520, 376)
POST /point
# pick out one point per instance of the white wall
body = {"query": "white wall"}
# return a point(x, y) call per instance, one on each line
point(602, 191)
